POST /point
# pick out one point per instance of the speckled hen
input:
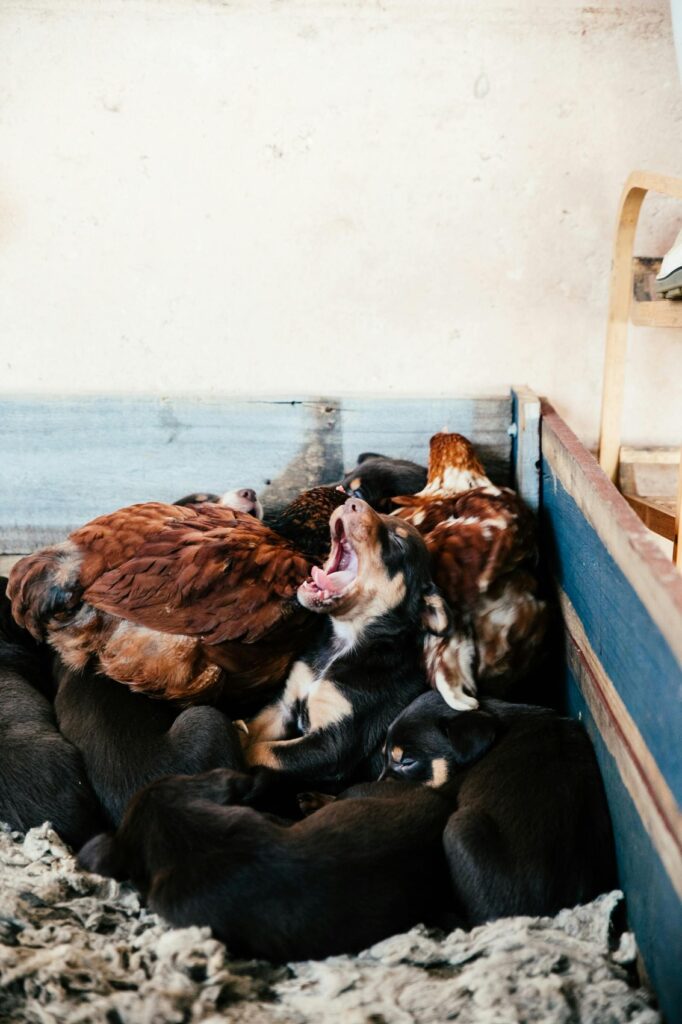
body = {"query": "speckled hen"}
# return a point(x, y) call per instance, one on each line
point(481, 539)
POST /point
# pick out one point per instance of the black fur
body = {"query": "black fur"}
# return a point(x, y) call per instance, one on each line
point(364, 867)
point(381, 478)
point(531, 833)
point(42, 776)
point(128, 739)
point(376, 676)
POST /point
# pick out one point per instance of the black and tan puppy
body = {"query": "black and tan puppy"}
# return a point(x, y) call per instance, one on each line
point(328, 727)
point(364, 867)
point(377, 479)
point(127, 739)
point(42, 776)
point(531, 833)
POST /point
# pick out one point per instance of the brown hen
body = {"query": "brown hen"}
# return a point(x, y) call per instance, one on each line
point(177, 602)
point(482, 544)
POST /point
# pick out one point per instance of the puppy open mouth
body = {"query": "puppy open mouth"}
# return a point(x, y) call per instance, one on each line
point(339, 573)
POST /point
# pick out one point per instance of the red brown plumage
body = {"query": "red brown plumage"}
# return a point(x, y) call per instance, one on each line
point(174, 601)
point(482, 544)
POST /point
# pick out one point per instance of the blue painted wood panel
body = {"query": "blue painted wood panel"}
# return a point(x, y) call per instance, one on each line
point(629, 645)
point(66, 460)
point(653, 908)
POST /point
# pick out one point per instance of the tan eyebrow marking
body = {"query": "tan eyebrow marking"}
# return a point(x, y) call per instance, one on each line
point(355, 483)
point(439, 772)
point(397, 753)
point(401, 531)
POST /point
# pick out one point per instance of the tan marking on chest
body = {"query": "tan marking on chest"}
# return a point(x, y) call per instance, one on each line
point(298, 684)
point(326, 705)
point(439, 772)
point(263, 755)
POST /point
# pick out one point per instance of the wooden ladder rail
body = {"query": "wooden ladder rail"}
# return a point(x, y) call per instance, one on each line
point(623, 309)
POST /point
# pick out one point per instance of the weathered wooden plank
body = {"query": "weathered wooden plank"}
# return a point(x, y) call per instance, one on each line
point(66, 460)
point(526, 445)
point(622, 605)
point(402, 428)
point(653, 906)
point(620, 629)
point(653, 578)
point(639, 772)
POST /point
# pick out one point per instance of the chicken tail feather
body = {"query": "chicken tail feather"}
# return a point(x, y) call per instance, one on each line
point(45, 585)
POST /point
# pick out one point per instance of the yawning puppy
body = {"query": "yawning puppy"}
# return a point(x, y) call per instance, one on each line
point(329, 724)
point(531, 831)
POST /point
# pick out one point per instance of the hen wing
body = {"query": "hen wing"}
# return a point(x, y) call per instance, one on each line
point(474, 538)
point(108, 541)
point(217, 575)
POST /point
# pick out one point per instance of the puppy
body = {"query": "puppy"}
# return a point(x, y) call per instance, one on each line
point(365, 666)
point(531, 831)
point(362, 868)
point(244, 500)
point(377, 479)
point(42, 776)
point(127, 739)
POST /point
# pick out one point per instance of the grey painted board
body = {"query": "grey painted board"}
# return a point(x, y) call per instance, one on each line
point(66, 460)
point(526, 445)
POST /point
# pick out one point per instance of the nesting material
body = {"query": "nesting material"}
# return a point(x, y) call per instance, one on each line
point(77, 948)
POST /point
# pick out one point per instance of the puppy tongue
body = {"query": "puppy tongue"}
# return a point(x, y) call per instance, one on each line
point(320, 578)
point(333, 581)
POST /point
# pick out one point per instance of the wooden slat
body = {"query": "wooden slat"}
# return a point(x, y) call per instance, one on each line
point(66, 460)
point(622, 608)
point(656, 512)
point(639, 772)
point(526, 444)
point(652, 903)
point(637, 556)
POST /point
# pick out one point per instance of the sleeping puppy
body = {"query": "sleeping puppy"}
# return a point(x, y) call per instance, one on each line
point(244, 500)
point(42, 777)
point(127, 739)
point(377, 479)
point(531, 833)
point(362, 868)
point(365, 666)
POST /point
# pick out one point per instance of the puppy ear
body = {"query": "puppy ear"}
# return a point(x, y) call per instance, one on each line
point(363, 456)
point(436, 615)
point(99, 856)
point(471, 734)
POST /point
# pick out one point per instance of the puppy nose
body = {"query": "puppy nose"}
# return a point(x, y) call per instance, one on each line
point(248, 493)
point(355, 505)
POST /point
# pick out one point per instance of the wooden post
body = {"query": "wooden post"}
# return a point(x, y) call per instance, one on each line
point(636, 187)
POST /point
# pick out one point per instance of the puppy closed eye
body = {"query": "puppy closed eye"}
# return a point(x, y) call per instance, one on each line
point(401, 761)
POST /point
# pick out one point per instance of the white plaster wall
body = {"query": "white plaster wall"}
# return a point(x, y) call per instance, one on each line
point(330, 196)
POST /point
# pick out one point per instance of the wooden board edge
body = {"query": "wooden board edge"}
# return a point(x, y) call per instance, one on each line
point(655, 580)
point(639, 773)
point(525, 428)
